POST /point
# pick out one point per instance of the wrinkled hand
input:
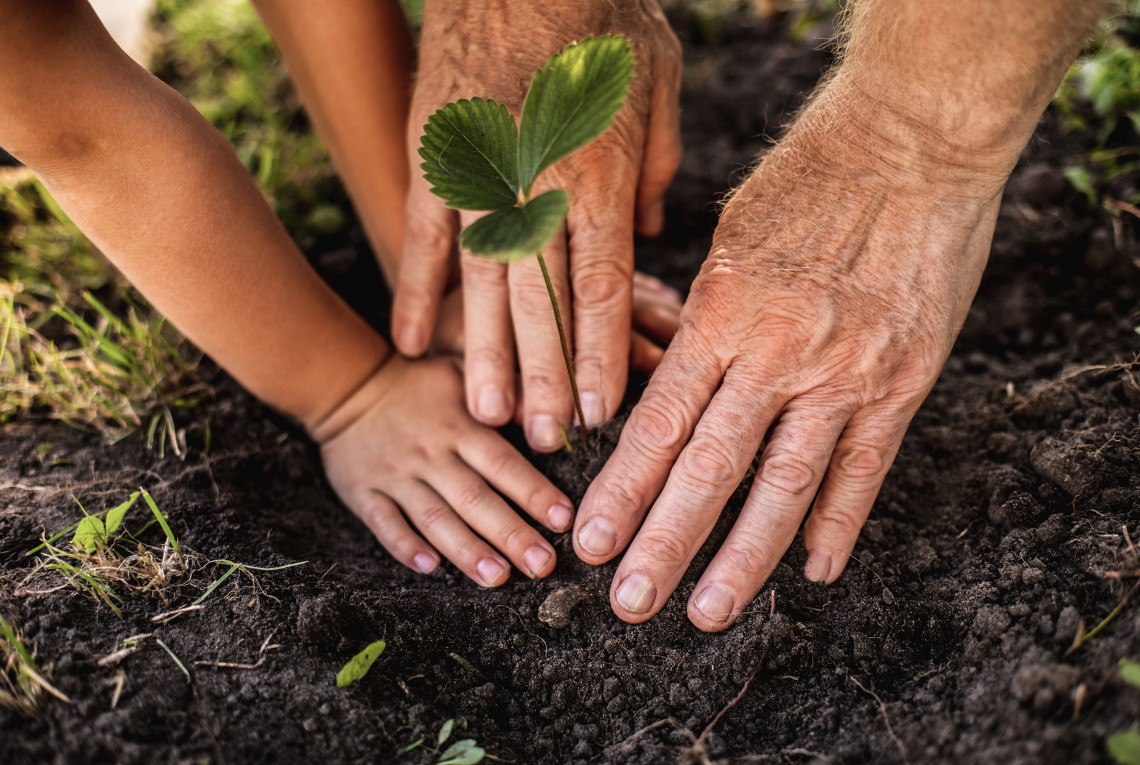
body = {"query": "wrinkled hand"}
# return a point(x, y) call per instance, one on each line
point(402, 452)
point(656, 314)
point(491, 50)
point(838, 279)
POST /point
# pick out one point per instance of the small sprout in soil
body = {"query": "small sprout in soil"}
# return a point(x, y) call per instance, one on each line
point(359, 664)
point(463, 752)
point(477, 158)
point(22, 680)
point(245, 568)
point(174, 656)
point(1124, 746)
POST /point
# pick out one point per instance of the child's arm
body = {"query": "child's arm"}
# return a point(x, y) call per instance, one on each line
point(161, 193)
point(351, 61)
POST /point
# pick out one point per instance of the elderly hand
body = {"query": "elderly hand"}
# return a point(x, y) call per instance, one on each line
point(839, 276)
point(491, 50)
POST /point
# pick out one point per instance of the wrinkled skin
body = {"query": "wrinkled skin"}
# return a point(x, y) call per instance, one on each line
point(839, 277)
point(615, 184)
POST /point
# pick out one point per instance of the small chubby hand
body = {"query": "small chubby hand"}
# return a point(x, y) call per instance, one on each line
point(839, 276)
point(403, 454)
point(615, 185)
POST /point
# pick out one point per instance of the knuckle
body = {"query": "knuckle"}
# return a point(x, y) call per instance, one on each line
point(708, 462)
point(832, 523)
point(622, 497)
point(432, 515)
point(860, 462)
point(657, 428)
point(499, 463)
point(487, 359)
point(514, 536)
point(748, 557)
point(471, 494)
point(787, 474)
point(545, 383)
point(530, 297)
point(487, 272)
point(663, 548)
point(602, 282)
point(431, 239)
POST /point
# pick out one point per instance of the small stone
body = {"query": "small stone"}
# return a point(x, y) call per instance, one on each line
point(556, 609)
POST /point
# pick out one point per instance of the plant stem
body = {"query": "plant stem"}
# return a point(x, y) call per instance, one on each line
point(565, 350)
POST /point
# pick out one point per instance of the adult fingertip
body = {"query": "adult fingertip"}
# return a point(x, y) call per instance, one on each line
point(651, 219)
point(818, 567)
point(714, 604)
point(537, 560)
point(636, 594)
point(597, 538)
point(492, 406)
point(410, 339)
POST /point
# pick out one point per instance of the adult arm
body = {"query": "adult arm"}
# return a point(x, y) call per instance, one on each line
point(839, 277)
point(490, 49)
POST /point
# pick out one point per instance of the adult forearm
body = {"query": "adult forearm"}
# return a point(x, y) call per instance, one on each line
point(969, 78)
point(351, 61)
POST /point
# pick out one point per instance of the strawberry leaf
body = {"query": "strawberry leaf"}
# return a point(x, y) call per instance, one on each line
point(517, 232)
point(470, 154)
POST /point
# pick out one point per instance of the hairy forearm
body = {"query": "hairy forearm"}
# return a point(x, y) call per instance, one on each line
point(159, 191)
point(351, 61)
point(972, 75)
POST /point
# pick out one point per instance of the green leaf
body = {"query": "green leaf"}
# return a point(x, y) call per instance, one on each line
point(463, 752)
point(359, 664)
point(470, 155)
point(89, 533)
point(445, 732)
point(1130, 671)
point(162, 522)
point(1081, 180)
point(517, 231)
point(1125, 747)
point(116, 514)
point(571, 101)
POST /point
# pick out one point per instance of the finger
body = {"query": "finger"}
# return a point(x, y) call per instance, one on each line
point(662, 142)
point(644, 354)
point(600, 229)
point(490, 517)
point(435, 519)
point(657, 429)
point(656, 308)
point(862, 458)
point(388, 525)
point(489, 358)
point(788, 476)
point(429, 239)
point(708, 471)
point(511, 474)
point(547, 401)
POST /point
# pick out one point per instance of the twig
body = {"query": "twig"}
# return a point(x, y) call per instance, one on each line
point(886, 719)
point(120, 679)
point(167, 616)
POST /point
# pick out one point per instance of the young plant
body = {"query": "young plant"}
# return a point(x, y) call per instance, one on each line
point(477, 158)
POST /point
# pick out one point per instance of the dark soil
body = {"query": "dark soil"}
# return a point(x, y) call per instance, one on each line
point(1001, 534)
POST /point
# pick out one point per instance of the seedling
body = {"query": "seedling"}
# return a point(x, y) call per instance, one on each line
point(359, 664)
point(462, 752)
point(1124, 746)
point(477, 158)
point(22, 680)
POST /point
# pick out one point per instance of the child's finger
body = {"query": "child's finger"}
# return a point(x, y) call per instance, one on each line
point(451, 536)
point(511, 474)
point(490, 517)
point(644, 354)
point(388, 525)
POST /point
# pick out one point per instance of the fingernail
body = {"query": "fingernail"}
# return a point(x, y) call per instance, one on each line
point(559, 517)
point(716, 603)
point(636, 593)
point(410, 340)
point(492, 404)
point(598, 537)
point(491, 571)
point(818, 566)
point(424, 562)
point(536, 559)
point(544, 432)
point(593, 410)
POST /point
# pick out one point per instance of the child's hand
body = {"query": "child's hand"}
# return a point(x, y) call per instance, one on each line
point(403, 449)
